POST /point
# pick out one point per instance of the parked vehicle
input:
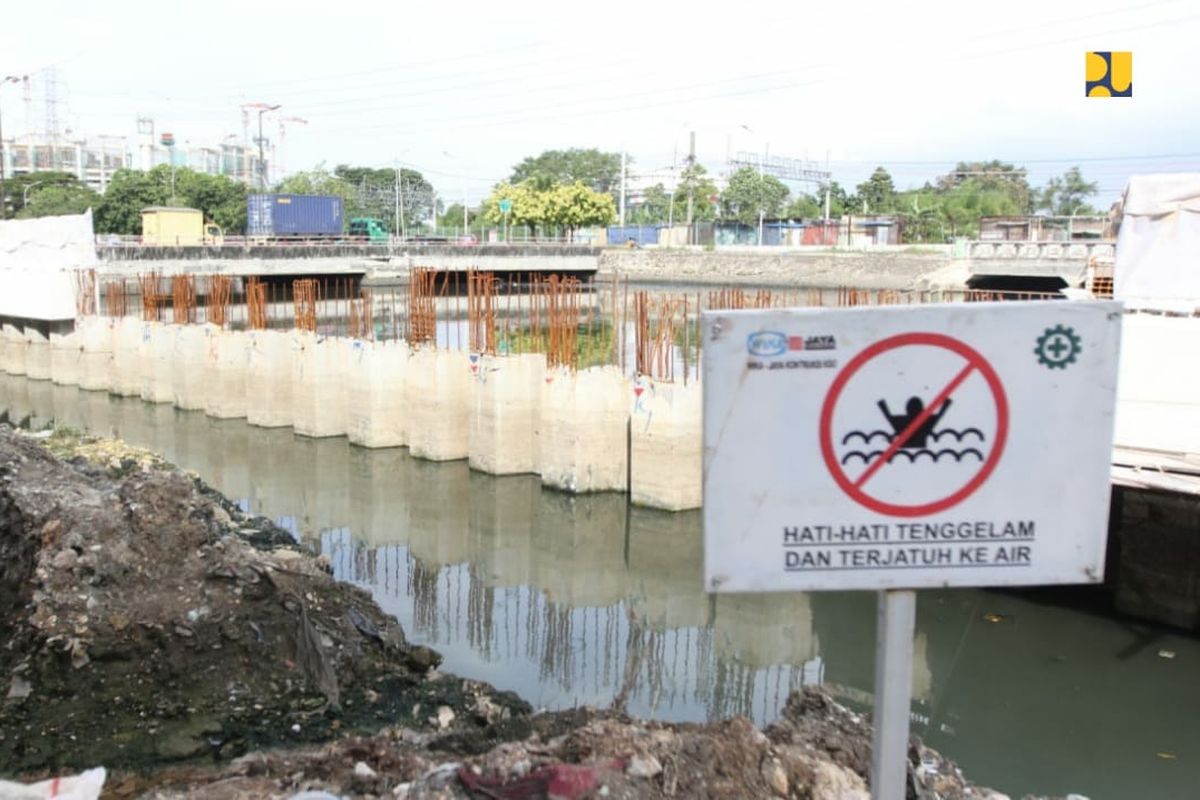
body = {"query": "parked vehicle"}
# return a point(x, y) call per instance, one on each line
point(294, 216)
point(373, 230)
point(178, 227)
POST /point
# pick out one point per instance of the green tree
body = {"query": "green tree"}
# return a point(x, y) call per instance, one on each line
point(878, 192)
point(1065, 196)
point(595, 169)
point(654, 208)
point(221, 199)
point(48, 194)
point(528, 205)
point(119, 210)
point(58, 199)
point(574, 205)
point(805, 206)
point(129, 191)
point(749, 194)
point(994, 175)
point(704, 207)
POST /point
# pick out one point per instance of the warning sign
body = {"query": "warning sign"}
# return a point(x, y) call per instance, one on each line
point(926, 462)
point(927, 446)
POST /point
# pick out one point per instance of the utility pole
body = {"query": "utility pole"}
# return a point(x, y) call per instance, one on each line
point(466, 218)
point(828, 182)
point(621, 213)
point(761, 191)
point(3, 196)
point(399, 207)
point(263, 108)
point(691, 182)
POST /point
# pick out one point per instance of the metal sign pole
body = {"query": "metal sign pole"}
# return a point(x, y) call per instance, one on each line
point(894, 624)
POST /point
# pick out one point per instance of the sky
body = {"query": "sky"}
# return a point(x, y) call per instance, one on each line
point(464, 91)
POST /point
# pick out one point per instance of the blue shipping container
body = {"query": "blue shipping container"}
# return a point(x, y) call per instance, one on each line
point(299, 215)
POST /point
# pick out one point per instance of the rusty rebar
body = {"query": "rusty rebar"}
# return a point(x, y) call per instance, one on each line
point(183, 299)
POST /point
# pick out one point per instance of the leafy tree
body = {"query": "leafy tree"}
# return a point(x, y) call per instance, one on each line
point(119, 210)
point(596, 170)
point(839, 200)
point(1064, 196)
point(749, 194)
point(704, 208)
point(805, 206)
point(574, 205)
point(15, 187)
point(994, 175)
point(222, 200)
point(528, 205)
point(878, 192)
point(567, 206)
point(129, 191)
point(654, 209)
point(58, 199)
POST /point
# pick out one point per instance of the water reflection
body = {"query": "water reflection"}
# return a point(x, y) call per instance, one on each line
point(581, 599)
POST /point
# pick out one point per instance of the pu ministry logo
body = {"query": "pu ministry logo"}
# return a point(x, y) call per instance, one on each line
point(1109, 73)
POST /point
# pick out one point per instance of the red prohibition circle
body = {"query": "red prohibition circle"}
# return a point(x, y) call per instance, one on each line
point(975, 361)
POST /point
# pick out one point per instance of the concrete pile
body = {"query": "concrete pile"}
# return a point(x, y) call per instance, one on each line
point(591, 430)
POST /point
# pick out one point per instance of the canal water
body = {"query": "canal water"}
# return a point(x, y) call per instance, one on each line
point(570, 600)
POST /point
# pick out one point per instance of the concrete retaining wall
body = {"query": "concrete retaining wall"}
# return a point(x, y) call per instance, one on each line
point(190, 383)
point(15, 350)
point(95, 360)
point(504, 414)
point(319, 386)
point(506, 398)
point(666, 445)
point(228, 362)
point(884, 268)
point(375, 406)
point(438, 393)
point(126, 339)
point(37, 358)
point(269, 360)
point(583, 430)
point(64, 358)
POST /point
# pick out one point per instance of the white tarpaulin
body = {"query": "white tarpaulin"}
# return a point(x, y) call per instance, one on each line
point(1157, 248)
point(37, 261)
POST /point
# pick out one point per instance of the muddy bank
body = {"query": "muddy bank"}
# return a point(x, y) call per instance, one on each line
point(197, 652)
point(149, 621)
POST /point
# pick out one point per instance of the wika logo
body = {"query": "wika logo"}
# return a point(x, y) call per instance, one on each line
point(1108, 73)
point(766, 343)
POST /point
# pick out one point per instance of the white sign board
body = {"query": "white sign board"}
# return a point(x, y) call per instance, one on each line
point(908, 447)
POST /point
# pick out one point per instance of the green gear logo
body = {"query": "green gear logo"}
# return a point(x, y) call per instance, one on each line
point(1057, 347)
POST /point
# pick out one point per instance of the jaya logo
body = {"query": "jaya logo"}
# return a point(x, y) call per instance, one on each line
point(811, 343)
point(766, 343)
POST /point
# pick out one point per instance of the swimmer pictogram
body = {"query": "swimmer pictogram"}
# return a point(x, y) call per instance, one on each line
point(932, 450)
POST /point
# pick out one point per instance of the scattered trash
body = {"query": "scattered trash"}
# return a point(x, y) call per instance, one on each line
point(1166, 653)
point(994, 617)
point(85, 786)
point(1165, 756)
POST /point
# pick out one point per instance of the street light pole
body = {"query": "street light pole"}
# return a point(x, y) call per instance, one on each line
point(25, 193)
point(262, 167)
point(3, 196)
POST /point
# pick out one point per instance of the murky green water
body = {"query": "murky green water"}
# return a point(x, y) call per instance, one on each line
point(571, 600)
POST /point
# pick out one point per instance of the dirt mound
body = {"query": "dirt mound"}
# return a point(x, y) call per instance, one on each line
point(818, 750)
point(149, 621)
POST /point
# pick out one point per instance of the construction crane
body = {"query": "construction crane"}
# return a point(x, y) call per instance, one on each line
point(283, 121)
